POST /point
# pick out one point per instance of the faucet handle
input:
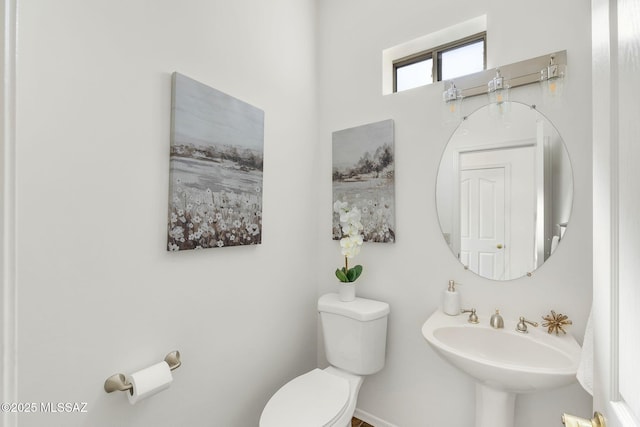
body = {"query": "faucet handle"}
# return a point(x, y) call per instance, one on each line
point(496, 321)
point(473, 317)
point(522, 325)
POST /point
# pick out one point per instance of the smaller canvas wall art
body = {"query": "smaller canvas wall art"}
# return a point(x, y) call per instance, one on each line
point(215, 195)
point(363, 176)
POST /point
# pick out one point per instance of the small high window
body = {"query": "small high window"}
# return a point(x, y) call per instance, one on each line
point(459, 58)
point(414, 73)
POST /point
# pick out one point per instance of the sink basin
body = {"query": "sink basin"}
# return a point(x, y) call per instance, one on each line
point(504, 358)
point(503, 361)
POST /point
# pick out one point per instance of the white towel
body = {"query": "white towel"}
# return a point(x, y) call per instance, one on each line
point(554, 243)
point(585, 368)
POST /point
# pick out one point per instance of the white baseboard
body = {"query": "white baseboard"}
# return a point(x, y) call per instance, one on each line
point(371, 419)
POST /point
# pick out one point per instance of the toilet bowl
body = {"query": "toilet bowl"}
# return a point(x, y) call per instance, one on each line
point(319, 398)
point(355, 336)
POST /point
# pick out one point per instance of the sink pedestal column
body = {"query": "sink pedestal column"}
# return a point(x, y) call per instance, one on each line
point(494, 408)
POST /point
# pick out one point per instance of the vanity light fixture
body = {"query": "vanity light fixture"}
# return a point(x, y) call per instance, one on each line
point(549, 69)
point(552, 79)
point(498, 89)
point(452, 97)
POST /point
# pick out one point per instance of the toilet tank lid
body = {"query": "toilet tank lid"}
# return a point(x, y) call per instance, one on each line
point(361, 309)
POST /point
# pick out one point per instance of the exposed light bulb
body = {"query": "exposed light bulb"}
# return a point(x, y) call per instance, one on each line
point(552, 79)
point(452, 98)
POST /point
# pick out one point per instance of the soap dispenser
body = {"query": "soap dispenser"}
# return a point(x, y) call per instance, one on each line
point(451, 300)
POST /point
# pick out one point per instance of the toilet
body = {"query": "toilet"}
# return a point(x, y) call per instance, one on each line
point(355, 337)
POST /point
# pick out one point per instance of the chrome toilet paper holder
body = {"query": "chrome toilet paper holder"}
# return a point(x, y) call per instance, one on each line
point(117, 382)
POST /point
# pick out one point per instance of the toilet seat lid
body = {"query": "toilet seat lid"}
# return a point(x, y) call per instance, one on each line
point(316, 399)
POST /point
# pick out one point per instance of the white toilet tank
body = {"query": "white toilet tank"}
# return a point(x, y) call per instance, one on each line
point(355, 333)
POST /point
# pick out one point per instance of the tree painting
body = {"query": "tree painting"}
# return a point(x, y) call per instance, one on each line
point(215, 195)
point(363, 176)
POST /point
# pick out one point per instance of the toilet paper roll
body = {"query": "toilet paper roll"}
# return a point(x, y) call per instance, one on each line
point(149, 381)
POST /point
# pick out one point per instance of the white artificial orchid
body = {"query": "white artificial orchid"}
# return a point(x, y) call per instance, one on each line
point(351, 245)
point(339, 207)
point(352, 229)
point(351, 242)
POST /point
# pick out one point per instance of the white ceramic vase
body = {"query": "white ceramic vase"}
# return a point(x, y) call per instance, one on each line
point(347, 291)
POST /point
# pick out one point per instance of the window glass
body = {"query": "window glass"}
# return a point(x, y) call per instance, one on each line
point(463, 60)
point(446, 62)
point(413, 75)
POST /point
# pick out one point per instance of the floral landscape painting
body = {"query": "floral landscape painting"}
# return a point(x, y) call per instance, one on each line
point(216, 160)
point(363, 176)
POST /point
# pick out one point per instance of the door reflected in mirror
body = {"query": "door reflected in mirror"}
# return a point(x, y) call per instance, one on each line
point(504, 191)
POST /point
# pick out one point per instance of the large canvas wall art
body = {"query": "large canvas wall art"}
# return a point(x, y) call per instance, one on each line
point(363, 176)
point(216, 159)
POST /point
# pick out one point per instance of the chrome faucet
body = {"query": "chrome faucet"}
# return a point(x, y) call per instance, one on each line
point(496, 320)
point(473, 317)
point(522, 325)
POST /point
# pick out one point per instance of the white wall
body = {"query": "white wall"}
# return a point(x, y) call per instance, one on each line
point(92, 137)
point(98, 293)
point(417, 388)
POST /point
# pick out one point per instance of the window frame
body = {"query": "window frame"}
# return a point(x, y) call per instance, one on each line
point(436, 54)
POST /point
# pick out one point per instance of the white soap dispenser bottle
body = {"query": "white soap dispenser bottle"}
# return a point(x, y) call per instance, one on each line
point(451, 300)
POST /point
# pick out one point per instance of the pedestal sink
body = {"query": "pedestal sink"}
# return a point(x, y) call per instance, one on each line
point(503, 362)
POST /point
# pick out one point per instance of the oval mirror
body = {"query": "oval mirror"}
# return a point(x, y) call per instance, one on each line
point(504, 190)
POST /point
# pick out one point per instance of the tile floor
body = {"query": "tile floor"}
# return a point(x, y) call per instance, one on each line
point(359, 423)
